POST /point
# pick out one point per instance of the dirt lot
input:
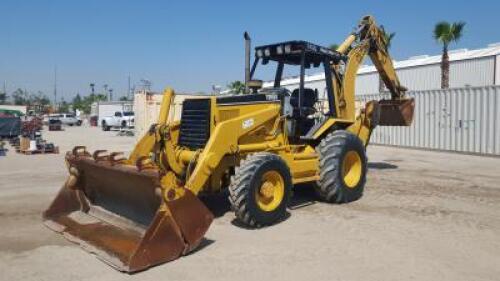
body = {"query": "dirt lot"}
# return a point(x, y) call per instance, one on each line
point(424, 216)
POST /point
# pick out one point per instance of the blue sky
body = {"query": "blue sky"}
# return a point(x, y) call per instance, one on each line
point(191, 45)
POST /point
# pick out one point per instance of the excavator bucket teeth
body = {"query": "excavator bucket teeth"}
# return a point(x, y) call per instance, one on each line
point(396, 112)
point(117, 212)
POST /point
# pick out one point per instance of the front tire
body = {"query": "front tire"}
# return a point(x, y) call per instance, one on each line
point(342, 166)
point(260, 189)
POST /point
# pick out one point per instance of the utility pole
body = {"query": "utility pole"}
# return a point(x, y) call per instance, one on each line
point(128, 91)
point(110, 94)
point(55, 87)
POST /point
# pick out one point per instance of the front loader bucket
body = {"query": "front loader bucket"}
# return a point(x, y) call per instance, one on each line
point(117, 212)
point(396, 112)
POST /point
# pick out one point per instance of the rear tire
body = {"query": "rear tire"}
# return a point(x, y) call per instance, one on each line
point(342, 166)
point(104, 126)
point(260, 189)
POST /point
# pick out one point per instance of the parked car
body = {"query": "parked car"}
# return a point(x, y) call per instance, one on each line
point(66, 119)
point(121, 119)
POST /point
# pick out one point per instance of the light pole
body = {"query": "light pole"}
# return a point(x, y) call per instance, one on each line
point(105, 86)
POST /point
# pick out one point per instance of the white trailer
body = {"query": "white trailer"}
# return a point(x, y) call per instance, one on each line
point(108, 108)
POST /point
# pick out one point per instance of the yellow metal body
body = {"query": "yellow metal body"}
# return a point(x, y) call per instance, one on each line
point(352, 169)
point(144, 209)
point(271, 192)
point(230, 141)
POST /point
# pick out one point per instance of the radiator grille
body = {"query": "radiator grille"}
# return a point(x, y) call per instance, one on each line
point(195, 123)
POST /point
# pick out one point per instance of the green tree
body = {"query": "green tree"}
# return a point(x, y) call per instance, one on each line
point(3, 98)
point(20, 97)
point(387, 40)
point(123, 98)
point(63, 106)
point(446, 33)
point(237, 87)
point(86, 102)
point(77, 102)
point(39, 98)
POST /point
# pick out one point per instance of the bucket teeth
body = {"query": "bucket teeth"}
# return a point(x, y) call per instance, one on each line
point(100, 155)
point(80, 151)
point(117, 158)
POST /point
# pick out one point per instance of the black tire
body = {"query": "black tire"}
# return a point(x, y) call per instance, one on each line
point(124, 124)
point(332, 150)
point(104, 126)
point(247, 182)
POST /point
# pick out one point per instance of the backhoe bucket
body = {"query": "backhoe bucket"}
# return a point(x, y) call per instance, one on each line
point(117, 212)
point(396, 112)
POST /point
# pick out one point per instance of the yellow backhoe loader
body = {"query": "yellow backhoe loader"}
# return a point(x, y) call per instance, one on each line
point(144, 210)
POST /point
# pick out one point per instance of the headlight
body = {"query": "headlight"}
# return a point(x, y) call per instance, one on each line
point(259, 53)
point(288, 49)
point(267, 52)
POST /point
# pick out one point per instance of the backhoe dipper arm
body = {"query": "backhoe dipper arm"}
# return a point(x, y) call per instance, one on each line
point(369, 39)
point(379, 55)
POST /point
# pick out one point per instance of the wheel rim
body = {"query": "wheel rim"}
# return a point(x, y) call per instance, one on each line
point(271, 191)
point(352, 169)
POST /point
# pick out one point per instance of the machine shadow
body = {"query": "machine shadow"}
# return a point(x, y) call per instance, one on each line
point(381, 166)
point(218, 204)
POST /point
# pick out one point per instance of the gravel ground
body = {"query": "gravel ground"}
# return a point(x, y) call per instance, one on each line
point(424, 216)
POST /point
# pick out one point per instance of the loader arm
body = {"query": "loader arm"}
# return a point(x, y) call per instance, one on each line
point(149, 142)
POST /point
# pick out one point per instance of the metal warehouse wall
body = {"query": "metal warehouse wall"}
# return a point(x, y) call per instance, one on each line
point(473, 72)
point(460, 119)
point(367, 83)
point(497, 70)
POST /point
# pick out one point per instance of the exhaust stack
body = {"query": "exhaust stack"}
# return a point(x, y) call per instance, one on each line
point(248, 43)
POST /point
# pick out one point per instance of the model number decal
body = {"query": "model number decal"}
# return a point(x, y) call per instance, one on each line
point(247, 123)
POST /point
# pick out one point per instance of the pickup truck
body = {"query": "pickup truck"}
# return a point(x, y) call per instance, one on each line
point(121, 119)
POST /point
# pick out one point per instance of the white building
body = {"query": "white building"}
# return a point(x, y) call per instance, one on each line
point(480, 67)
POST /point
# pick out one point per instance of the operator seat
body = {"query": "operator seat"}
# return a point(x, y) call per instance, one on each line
point(309, 99)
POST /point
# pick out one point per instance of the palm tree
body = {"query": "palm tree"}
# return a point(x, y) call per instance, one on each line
point(446, 33)
point(333, 47)
point(388, 39)
point(237, 87)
